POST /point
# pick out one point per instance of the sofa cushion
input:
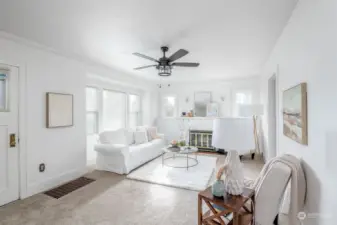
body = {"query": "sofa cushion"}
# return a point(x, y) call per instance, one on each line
point(140, 154)
point(140, 137)
point(158, 142)
point(130, 136)
point(113, 137)
point(111, 149)
point(152, 133)
point(144, 129)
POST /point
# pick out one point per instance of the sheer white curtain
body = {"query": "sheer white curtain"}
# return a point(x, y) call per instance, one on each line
point(134, 110)
point(114, 110)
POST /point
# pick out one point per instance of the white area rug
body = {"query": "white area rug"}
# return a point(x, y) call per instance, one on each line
point(195, 178)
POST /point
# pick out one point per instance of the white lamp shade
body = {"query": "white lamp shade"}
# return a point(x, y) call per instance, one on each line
point(233, 134)
point(248, 110)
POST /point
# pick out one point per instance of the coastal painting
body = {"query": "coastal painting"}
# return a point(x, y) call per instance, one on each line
point(295, 113)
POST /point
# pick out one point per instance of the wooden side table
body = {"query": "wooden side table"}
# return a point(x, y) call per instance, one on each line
point(230, 204)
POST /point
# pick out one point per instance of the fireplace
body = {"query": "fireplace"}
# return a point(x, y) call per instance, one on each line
point(202, 139)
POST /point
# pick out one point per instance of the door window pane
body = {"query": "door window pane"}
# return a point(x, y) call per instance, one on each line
point(3, 91)
point(114, 110)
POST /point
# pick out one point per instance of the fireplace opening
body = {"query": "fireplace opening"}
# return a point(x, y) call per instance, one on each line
point(202, 139)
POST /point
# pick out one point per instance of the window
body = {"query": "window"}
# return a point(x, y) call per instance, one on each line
point(92, 110)
point(134, 111)
point(114, 110)
point(241, 97)
point(111, 110)
point(169, 106)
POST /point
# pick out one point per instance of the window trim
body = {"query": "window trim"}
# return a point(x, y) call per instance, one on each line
point(138, 113)
point(97, 125)
point(97, 112)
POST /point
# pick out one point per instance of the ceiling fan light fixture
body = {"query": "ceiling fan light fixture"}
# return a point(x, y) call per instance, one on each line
point(165, 64)
point(164, 70)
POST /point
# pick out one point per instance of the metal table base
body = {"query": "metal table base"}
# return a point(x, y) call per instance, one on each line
point(186, 156)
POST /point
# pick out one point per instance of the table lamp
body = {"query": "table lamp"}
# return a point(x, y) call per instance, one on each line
point(235, 136)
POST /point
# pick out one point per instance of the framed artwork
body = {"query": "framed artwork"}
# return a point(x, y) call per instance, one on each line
point(295, 124)
point(59, 110)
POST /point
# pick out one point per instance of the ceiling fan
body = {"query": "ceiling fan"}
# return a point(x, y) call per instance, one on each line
point(165, 64)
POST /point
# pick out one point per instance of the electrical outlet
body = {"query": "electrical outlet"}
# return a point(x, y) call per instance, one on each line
point(42, 167)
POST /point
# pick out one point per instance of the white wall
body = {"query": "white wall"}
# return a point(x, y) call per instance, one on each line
point(150, 104)
point(63, 150)
point(226, 89)
point(218, 89)
point(307, 52)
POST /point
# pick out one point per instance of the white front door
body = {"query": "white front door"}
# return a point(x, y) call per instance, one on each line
point(9, 150)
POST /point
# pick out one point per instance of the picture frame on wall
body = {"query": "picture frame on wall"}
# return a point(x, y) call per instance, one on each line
point(59, 110)
point(295, 124)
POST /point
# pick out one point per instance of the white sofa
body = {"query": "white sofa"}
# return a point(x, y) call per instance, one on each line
point(117, 151)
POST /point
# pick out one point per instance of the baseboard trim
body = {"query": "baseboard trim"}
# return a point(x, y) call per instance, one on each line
point(37, 188)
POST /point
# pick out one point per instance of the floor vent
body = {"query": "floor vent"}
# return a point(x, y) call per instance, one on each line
point(69, 187)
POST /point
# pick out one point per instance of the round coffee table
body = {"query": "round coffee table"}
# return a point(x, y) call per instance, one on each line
point(183, 152)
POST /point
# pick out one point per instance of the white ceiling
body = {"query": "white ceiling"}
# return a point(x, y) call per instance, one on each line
point(230, 38)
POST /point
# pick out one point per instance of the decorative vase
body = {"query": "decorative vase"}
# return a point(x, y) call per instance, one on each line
point(234, 180)
point(218, 188)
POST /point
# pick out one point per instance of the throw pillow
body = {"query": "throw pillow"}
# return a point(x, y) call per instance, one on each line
point(113, 137)
point(130, 136)
point(152, 133)
point(143, 129)
point(140, 137)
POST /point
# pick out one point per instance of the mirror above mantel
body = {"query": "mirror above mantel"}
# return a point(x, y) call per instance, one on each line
point(203, 106)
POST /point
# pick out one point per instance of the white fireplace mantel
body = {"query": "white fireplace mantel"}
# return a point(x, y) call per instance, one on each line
point(171, 126)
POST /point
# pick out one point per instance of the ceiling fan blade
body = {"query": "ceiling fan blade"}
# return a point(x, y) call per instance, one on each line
point(180, 53)
point(145, 57)
point(144, 67)
point(186, 64)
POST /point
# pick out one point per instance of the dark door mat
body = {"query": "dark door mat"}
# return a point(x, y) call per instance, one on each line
point(69, 187)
